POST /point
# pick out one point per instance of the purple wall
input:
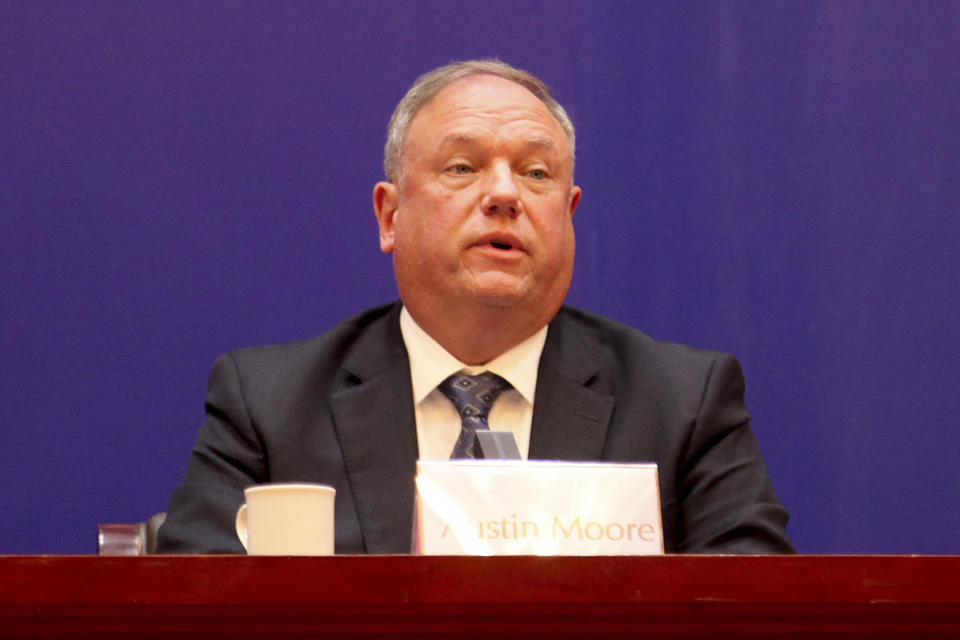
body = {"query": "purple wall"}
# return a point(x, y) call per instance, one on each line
point(774, 179)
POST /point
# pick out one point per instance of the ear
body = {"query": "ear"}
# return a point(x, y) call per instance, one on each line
point(575, 193)
point(385, 202)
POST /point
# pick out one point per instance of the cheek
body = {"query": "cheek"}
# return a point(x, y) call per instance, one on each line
point(556, 226)
point(559, 245)
point(432, 219)
point(566, 248)
point(421, 238)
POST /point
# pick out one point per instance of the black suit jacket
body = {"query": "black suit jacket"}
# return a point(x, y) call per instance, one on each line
point(338, 409)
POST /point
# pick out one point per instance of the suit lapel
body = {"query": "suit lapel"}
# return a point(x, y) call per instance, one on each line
point(570, 416)
point(375, 423)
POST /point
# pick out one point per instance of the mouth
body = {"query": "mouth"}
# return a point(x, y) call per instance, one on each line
point(500, 242)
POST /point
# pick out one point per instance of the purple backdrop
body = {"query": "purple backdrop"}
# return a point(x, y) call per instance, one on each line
point(778, 180)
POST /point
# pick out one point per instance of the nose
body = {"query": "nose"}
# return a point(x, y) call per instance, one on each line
point(502, 196)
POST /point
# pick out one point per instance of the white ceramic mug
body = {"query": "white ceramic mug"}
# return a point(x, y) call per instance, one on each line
point(287, 520)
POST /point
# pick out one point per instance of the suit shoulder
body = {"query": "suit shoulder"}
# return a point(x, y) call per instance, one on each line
point(327, 349)
point(620, 341)
point(629, 356)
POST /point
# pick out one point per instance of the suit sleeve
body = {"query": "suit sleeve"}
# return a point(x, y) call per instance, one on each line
point(726, 502)
point(227, 457)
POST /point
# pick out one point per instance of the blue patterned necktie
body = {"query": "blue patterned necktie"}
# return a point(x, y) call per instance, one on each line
point(473, 396)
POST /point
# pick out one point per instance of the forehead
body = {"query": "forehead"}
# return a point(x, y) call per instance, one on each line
point(485, 104)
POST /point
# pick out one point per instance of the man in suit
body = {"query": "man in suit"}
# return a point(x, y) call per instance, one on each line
point(477, 213)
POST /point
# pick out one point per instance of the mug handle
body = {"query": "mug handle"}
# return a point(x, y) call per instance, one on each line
point(241, 525)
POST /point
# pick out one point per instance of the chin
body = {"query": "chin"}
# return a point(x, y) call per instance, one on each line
point(499, 299)
point(522, 306)
point(504, 292)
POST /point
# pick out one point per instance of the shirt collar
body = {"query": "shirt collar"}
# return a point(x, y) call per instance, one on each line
point(431, 364)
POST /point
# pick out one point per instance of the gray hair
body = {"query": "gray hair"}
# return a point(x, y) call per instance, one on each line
point(431, 83)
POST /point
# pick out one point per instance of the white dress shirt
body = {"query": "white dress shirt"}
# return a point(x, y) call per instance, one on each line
point(438, 422)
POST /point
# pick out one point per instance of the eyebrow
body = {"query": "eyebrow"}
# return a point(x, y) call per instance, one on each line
point(541, 142)
point(458, 138)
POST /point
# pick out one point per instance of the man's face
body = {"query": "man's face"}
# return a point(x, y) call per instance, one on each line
point(482, 214)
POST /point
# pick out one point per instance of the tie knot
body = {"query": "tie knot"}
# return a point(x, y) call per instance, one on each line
point(473, 395)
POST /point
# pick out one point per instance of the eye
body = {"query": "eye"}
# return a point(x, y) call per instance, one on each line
point(460, 169)
point(538, 174)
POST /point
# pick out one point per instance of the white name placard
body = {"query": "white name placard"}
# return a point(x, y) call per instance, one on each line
point(495, 507)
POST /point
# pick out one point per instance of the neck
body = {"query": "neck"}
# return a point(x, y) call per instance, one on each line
point(477, 338)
